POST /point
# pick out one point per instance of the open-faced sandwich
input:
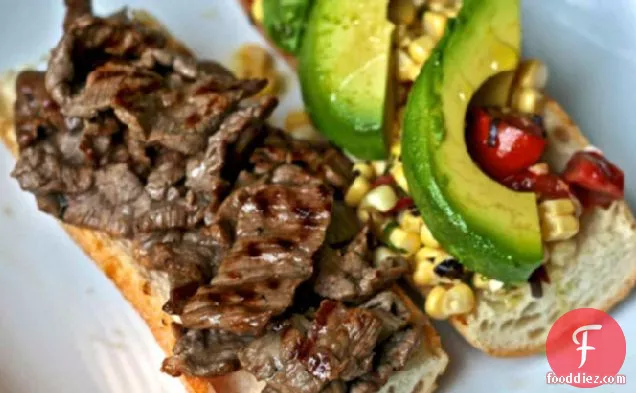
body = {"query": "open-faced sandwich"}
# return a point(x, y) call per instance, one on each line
point(466, 167)
point(232, 240)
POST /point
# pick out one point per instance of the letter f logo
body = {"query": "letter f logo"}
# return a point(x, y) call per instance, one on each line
point(583, 344)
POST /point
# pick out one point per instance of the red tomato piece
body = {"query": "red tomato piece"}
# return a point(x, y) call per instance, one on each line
point(402, 204)
point(595, 180)
point(384, 180)
point(504, 144)
point(548, 186)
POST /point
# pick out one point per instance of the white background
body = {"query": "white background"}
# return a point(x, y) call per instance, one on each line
point(63, 326)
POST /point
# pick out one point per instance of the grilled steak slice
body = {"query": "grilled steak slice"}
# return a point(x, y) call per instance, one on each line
point(339, 345)
point(205, 353)
point(278, 229)
point(352, 275)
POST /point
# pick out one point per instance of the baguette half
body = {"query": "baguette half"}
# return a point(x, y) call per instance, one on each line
point(147, 291)
point(597, 268)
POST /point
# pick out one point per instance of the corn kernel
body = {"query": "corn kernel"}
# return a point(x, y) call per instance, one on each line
point(402, 12)
point(555, 228)
point(307, 133)
point(257, 10)
point(427, 237)
point(527, 100)
point(434, 304)
point(364, 214)
point(379, 166)
point(397, 170)
point(408, 243)
point(559, 219)
point(434, 24)
point(296, 119)
point(533, 74)
point(424, 274)
point(480, 281)
point(459, 299)
point(557, 207)
point(410, 222)
point(420, 49)
point(364, 169)
point(404, 39)
point(431, 255)
point(382, 253)
point(356, 192)
point(495, 91)
point(408, 70)
point(252, 61)
point(382, 198)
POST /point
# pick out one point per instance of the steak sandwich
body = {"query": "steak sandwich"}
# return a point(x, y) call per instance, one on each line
point(229, 238)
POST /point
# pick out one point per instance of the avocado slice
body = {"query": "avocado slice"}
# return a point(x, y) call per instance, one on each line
point(345, 69)
point(284, 22)
point(493, 230)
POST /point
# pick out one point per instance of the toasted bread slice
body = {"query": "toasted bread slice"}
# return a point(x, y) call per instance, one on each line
point(147, 291)
point(596, 268)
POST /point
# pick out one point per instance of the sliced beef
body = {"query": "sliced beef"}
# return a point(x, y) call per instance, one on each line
point(205, 354)
point(90, 43)
point(319, 162)
point(392, 356)
point(351, 275)
point(277, 230)
point(36, 114)
point(339, 345)
point(129, 134)
point(75, 9)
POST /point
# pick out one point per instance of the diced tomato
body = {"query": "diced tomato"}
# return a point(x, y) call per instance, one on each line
point(595, 180)
point(384, 180)
point(548, 186)
point(504, 144)
point(402, 204)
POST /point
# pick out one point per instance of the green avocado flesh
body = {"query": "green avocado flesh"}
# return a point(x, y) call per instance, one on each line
point(345, 66)
point(284, 22)
point(491, 229)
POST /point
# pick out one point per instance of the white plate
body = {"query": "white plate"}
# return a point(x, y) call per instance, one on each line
point(64, 327)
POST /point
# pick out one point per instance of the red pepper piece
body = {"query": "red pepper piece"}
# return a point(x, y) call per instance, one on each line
point(595, 180)
point(548, 186)
point(504, 144)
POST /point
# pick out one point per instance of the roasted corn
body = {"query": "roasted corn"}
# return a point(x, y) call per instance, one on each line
point(410, 222)
point(408, 243)
point(434, 304)
point(458, 299)
point(364, 169)
point(382, 198)
point(434, 24)
point(532, 74)
point(559, 219)
point(427, 237)
point(397, 171)
point(357, 191)
point(424, 274)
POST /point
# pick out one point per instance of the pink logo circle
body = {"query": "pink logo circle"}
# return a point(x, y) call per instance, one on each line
point(584, 346)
